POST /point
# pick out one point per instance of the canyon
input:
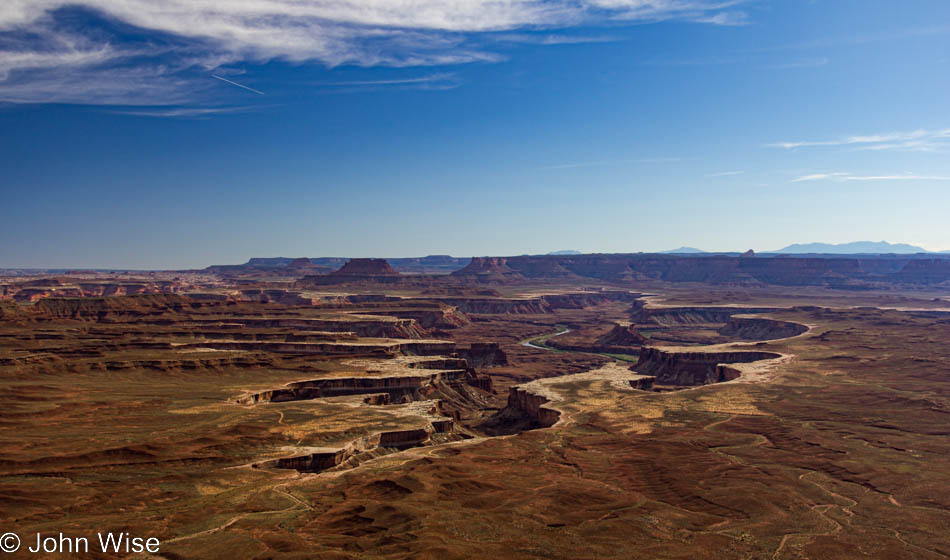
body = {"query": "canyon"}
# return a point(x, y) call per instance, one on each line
point(623, 405)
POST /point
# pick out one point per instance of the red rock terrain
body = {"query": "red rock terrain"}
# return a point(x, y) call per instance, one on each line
point(366, 424)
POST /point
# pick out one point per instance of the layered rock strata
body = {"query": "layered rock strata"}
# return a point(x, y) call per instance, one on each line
point(690, 368)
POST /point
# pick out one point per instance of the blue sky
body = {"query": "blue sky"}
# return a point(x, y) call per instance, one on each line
point(160, 134)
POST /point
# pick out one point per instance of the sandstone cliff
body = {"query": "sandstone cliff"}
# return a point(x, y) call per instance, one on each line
point(694, 368)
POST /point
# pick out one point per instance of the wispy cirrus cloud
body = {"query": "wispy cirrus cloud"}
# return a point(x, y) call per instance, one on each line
point(916, 140)
point(161, 51)
point(440, 80)
point(802, 63)
point(554, 38)
point(573, 165)
point(725, 174)
point(183, 112)
point(844, 177)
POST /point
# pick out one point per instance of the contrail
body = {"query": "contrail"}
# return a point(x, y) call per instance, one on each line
point(237, 84)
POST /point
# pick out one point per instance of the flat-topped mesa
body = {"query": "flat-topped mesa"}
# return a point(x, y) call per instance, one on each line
point(366, 267)
point(375, 271)
point(690, 368)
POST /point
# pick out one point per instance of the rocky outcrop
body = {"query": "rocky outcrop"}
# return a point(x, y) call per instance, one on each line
point(438, 317)
point(312, 463)
point(689, 368)
point(483, 354)
point(643, 383)
point(378, 399)
point(376, 445)
point(401, 388)
point(622, 336)
point(524, 404)
point(760, 328)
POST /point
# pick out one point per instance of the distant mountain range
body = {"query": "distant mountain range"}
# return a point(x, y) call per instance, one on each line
point(565, 252)
point(856, 247)
point(683, 250)
point(853, 248)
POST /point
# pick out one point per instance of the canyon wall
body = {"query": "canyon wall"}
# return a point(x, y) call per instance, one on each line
point(688, 368)
point(760, 328)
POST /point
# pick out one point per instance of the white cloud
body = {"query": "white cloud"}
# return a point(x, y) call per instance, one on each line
point(916, 140)
point(554, 39)
point(185, 37)
point(843, 177)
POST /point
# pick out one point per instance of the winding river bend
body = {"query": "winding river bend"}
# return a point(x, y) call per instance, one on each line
point(539, 341)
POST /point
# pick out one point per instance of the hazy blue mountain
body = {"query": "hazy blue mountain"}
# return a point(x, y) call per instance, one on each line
point(566, 252)
point(852, 248)
point(683, 250)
